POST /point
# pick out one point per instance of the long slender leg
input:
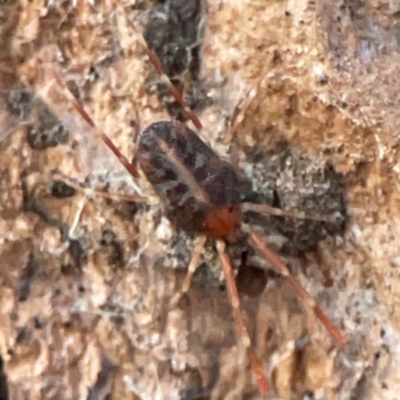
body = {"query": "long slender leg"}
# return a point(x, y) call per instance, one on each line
point(85, 115)
point(306, 299)
point(164, 77)
point(249, 98)
point(79, 186)
point(193, 265)
point(239, 117)
point(239, 318)
point(266, 209)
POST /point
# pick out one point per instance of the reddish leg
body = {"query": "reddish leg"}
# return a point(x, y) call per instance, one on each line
point(158, 66)
point(239, 318)
point(305, 298)
point(266, 209)
point(193, 265)
point(249, 98)
point(106, 139)
point(98, 193)
point(239, 117)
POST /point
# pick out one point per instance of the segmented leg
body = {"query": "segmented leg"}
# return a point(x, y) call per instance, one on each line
point(266, 209)
point(193, 265)
point(85, 115)
point(239, 117)
point(239, 318)
point(163, 76)
point(305, 298)
point(249, 98)
point(79, 186)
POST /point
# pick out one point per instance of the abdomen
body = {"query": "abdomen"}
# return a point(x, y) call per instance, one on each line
point(189, 177)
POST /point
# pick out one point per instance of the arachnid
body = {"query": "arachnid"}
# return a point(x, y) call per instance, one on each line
point(200, 194)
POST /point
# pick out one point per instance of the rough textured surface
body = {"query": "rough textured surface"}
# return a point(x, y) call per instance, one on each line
point(86, 281)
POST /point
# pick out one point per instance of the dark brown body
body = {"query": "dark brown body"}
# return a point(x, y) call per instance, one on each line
point(199, 190)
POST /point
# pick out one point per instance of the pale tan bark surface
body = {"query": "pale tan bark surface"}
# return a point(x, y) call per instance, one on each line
point(86, 315)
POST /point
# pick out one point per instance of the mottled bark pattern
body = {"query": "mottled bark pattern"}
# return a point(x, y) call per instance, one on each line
point(188, 176)
point(174, 33)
